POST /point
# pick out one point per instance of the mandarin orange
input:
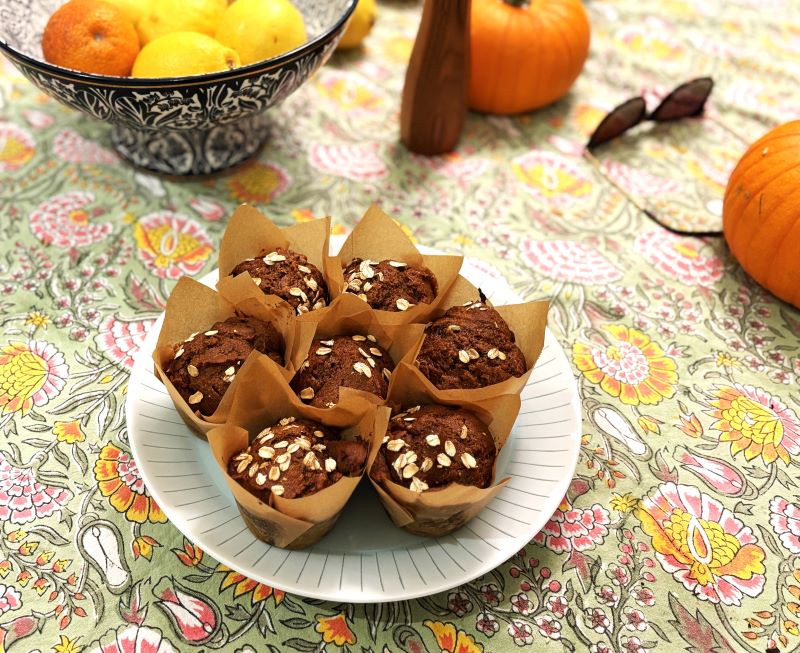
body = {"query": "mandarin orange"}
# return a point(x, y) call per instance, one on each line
point(91, 36)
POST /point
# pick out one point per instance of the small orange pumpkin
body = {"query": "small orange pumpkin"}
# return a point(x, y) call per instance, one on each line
point(761, 212)
point(525, 54)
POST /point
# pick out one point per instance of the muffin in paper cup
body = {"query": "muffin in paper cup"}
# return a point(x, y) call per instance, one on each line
point(349, 357)
point(439, 510)
point(254, 247)
point(192, 309)
point(378, 238)
point(527, 322)
point(292, 523)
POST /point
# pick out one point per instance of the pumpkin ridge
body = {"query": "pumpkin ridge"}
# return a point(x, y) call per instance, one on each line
point(788, 276)
point(775, 216)
point(751, 190)
point(758, 147)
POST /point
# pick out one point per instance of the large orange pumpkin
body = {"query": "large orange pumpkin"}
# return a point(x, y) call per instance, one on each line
point(761, 212)
point(525, 54)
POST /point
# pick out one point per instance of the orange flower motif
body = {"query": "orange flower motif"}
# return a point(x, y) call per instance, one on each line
point(31, 374)
point(143, 546)
point(690, 425)
point(171, 245)
point(17, 147)
point(632, 367)
point(24, 577)
point(5, 568)
point(61, 565)
point(335, 630)
point(244, 585)
point(756, 423)
point(69, 432)
point(190, 555)
point(451, 640)
point(118, 479)
point(40, 585)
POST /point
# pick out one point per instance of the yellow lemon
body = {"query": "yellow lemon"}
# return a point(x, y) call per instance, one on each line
point(360, 24)
point(183, 53)
point(133, 9)
point(261, 29)
point(166, 16)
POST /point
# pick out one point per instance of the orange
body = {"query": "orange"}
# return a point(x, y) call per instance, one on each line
point(91, 36)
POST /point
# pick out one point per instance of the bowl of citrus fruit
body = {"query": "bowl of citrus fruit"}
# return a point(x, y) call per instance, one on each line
point(185, 84)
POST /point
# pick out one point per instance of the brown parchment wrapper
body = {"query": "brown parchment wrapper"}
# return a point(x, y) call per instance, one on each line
point(249, 232)
point(292, 523)
point(441, 511)
point(528, 321)
point(193, 307)
point(377, 237)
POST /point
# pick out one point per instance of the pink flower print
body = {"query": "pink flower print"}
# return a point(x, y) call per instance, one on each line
point(597, 620)
point(521, 632)
point(120, 337)
point(600, 647)
point(549, 627)
point(491, 595)
point(569, 261)
point(682, 258)
point(17, 147)
point(607, 595)
point(210, 209)
point(551, 177)
point(486, 623)
point(459, 603)
point(521, 604)
point(639, 182)
point(70, 146)
point(558, 605)
point(194, 617)
point(572, 529)
point(702, 544)
point(633, 645)
point(132, 639)
point(351, 161)
point(64, 221)
point(643, 595)
point(10, 599)
point(172, 245)
point(785, 520)
point(23, 498)
point(635, 619)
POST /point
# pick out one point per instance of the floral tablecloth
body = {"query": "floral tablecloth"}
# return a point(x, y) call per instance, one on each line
point(682, 525)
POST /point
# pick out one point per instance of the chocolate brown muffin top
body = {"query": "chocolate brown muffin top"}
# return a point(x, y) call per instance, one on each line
point(296, 458)
point(204, 365)
point(352, 361)
point(470, 346)
point(428, 447)
point(390, 285)
point(289, 275)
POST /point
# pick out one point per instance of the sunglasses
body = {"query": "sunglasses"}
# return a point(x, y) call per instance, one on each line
point(686, 101)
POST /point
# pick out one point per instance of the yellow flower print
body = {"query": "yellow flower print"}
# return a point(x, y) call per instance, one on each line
point(623, 502)
point(726, 360)
point(143, 546)
point(16, 147)
point(451, 640)
point(631, 366)
point(67, 645)
point(242, 586)
point(756, 423)
point(37, 319)
point(31, 374)
point(258, 182)
point(335, 630)
point(171, 245)
point(69, 432)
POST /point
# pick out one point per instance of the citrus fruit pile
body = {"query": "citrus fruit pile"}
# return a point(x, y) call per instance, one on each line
point(169, 38)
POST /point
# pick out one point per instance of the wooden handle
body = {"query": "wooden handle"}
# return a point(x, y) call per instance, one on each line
point(434, 103)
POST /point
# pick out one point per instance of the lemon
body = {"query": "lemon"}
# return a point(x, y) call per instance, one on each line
point(165, 16)
point(133, 9)
point(360, 24)
point(183, 53)
point(261, 29)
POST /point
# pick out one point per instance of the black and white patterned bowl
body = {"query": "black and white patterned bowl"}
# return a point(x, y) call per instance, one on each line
point(180, 125)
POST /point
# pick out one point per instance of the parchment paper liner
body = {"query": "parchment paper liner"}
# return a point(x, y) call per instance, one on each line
point(193, 307)
point(249, 232)
point(377, 237)
point(292, 523)
point(349, 316)
point(528, 322)
point(439, 512)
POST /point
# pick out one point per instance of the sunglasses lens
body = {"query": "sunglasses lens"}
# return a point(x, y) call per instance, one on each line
point(688, 99)
point(621, 119)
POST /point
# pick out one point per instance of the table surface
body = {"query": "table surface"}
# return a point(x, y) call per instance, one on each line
point(679, 527)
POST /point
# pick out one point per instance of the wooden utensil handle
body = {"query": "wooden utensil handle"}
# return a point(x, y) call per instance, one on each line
point(434, 103)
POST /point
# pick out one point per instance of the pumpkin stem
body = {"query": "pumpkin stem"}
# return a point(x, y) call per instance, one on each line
point(517, 3)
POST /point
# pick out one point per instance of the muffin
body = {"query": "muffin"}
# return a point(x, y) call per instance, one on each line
point(390, 285)
point(432, 446)
point(470, 346)
point(204, 365)
point(351, 361)
point(288, 275)
point(295, 458)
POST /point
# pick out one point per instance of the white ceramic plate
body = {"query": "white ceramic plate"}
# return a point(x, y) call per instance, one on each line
point(365, 558)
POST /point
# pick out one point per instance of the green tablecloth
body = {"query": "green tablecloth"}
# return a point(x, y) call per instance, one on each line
point(680, 530)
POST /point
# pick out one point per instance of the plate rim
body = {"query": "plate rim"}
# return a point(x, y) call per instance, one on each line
point(178, 520)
